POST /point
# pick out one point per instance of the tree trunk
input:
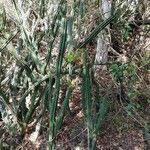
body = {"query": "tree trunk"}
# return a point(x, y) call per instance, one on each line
point(102, 41)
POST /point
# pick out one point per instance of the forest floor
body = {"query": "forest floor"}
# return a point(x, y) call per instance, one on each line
point(121, 130)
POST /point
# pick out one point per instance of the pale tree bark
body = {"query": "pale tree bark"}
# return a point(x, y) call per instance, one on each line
point(102, 40)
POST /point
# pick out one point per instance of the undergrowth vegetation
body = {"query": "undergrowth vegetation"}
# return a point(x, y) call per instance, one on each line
point(47, 51)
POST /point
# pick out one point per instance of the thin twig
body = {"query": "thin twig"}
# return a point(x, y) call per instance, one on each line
point(8, 41)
